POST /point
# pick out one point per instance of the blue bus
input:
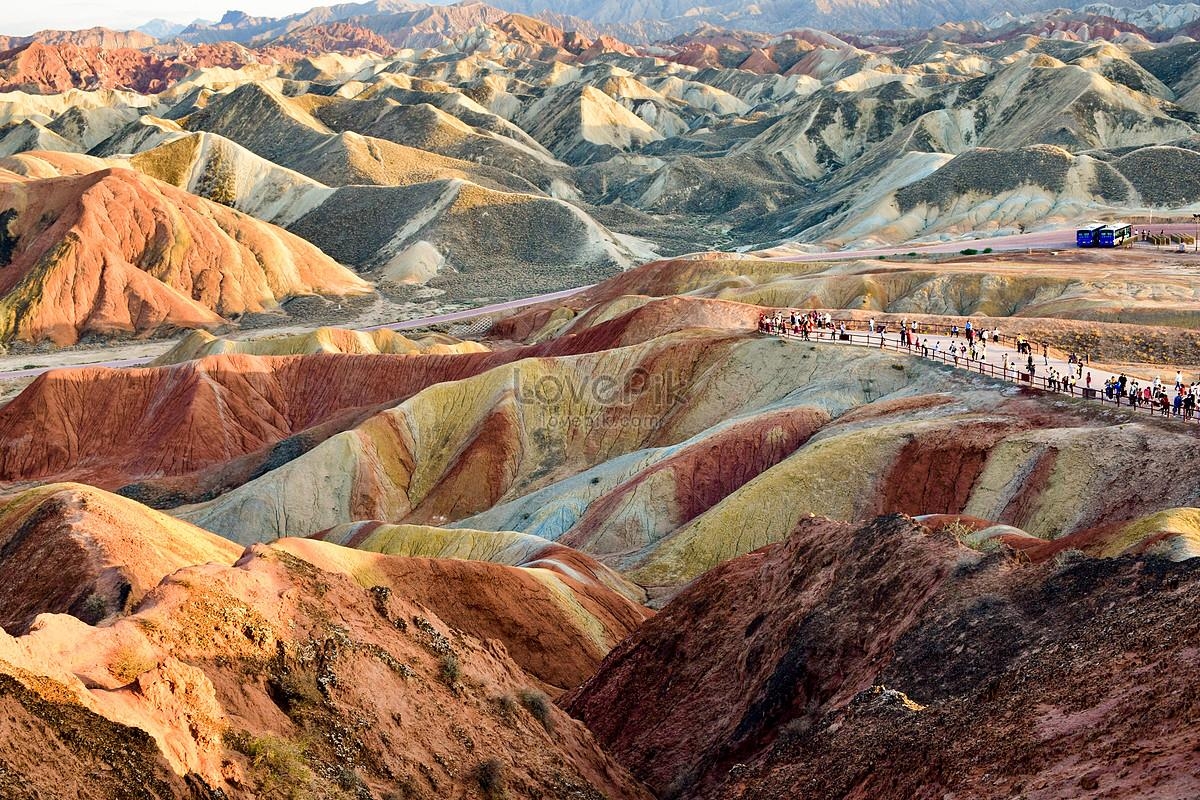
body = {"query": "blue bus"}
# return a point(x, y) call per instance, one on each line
point(1088, 235)
point(1114, 235)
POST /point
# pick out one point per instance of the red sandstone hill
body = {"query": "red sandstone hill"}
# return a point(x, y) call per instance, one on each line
point(109, 60)
point(521, 28)
point(114, 252)
point(798, 665)
point(47, 68)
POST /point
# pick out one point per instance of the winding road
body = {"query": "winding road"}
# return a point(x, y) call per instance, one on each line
point(404, 325)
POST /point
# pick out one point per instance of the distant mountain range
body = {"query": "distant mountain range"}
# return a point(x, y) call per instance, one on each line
point(646, 21)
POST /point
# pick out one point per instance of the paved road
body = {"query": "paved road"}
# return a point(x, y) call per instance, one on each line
point(1043, 240)
point(408, 324)
point(471, 313)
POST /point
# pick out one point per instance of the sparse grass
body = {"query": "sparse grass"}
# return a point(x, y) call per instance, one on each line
point(280, 765)
point(958, 529)
point(538, 705)
point(127, 663)
point(170, 162)
point(493, 779)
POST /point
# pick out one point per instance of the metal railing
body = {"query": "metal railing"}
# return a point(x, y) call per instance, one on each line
point(1011, 374)
point(949, 329)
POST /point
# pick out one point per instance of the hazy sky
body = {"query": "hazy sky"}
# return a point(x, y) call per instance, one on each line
point(21, 17)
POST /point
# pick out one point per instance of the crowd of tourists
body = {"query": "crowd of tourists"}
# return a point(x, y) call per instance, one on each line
point(970, 344)
point(1180, 400)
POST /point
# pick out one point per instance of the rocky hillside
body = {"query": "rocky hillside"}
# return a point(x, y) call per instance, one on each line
point(797, 665)
point(300, 667)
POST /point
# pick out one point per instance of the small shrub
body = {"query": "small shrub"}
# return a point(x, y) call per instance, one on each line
point(492, 778)
point(295, 690)
point(506, 704)
point(93, 609)
point(970, 251)
point(881, 258)
point(1068, 557)
point(451, 669)
point(987, 249)
point(537, 704)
